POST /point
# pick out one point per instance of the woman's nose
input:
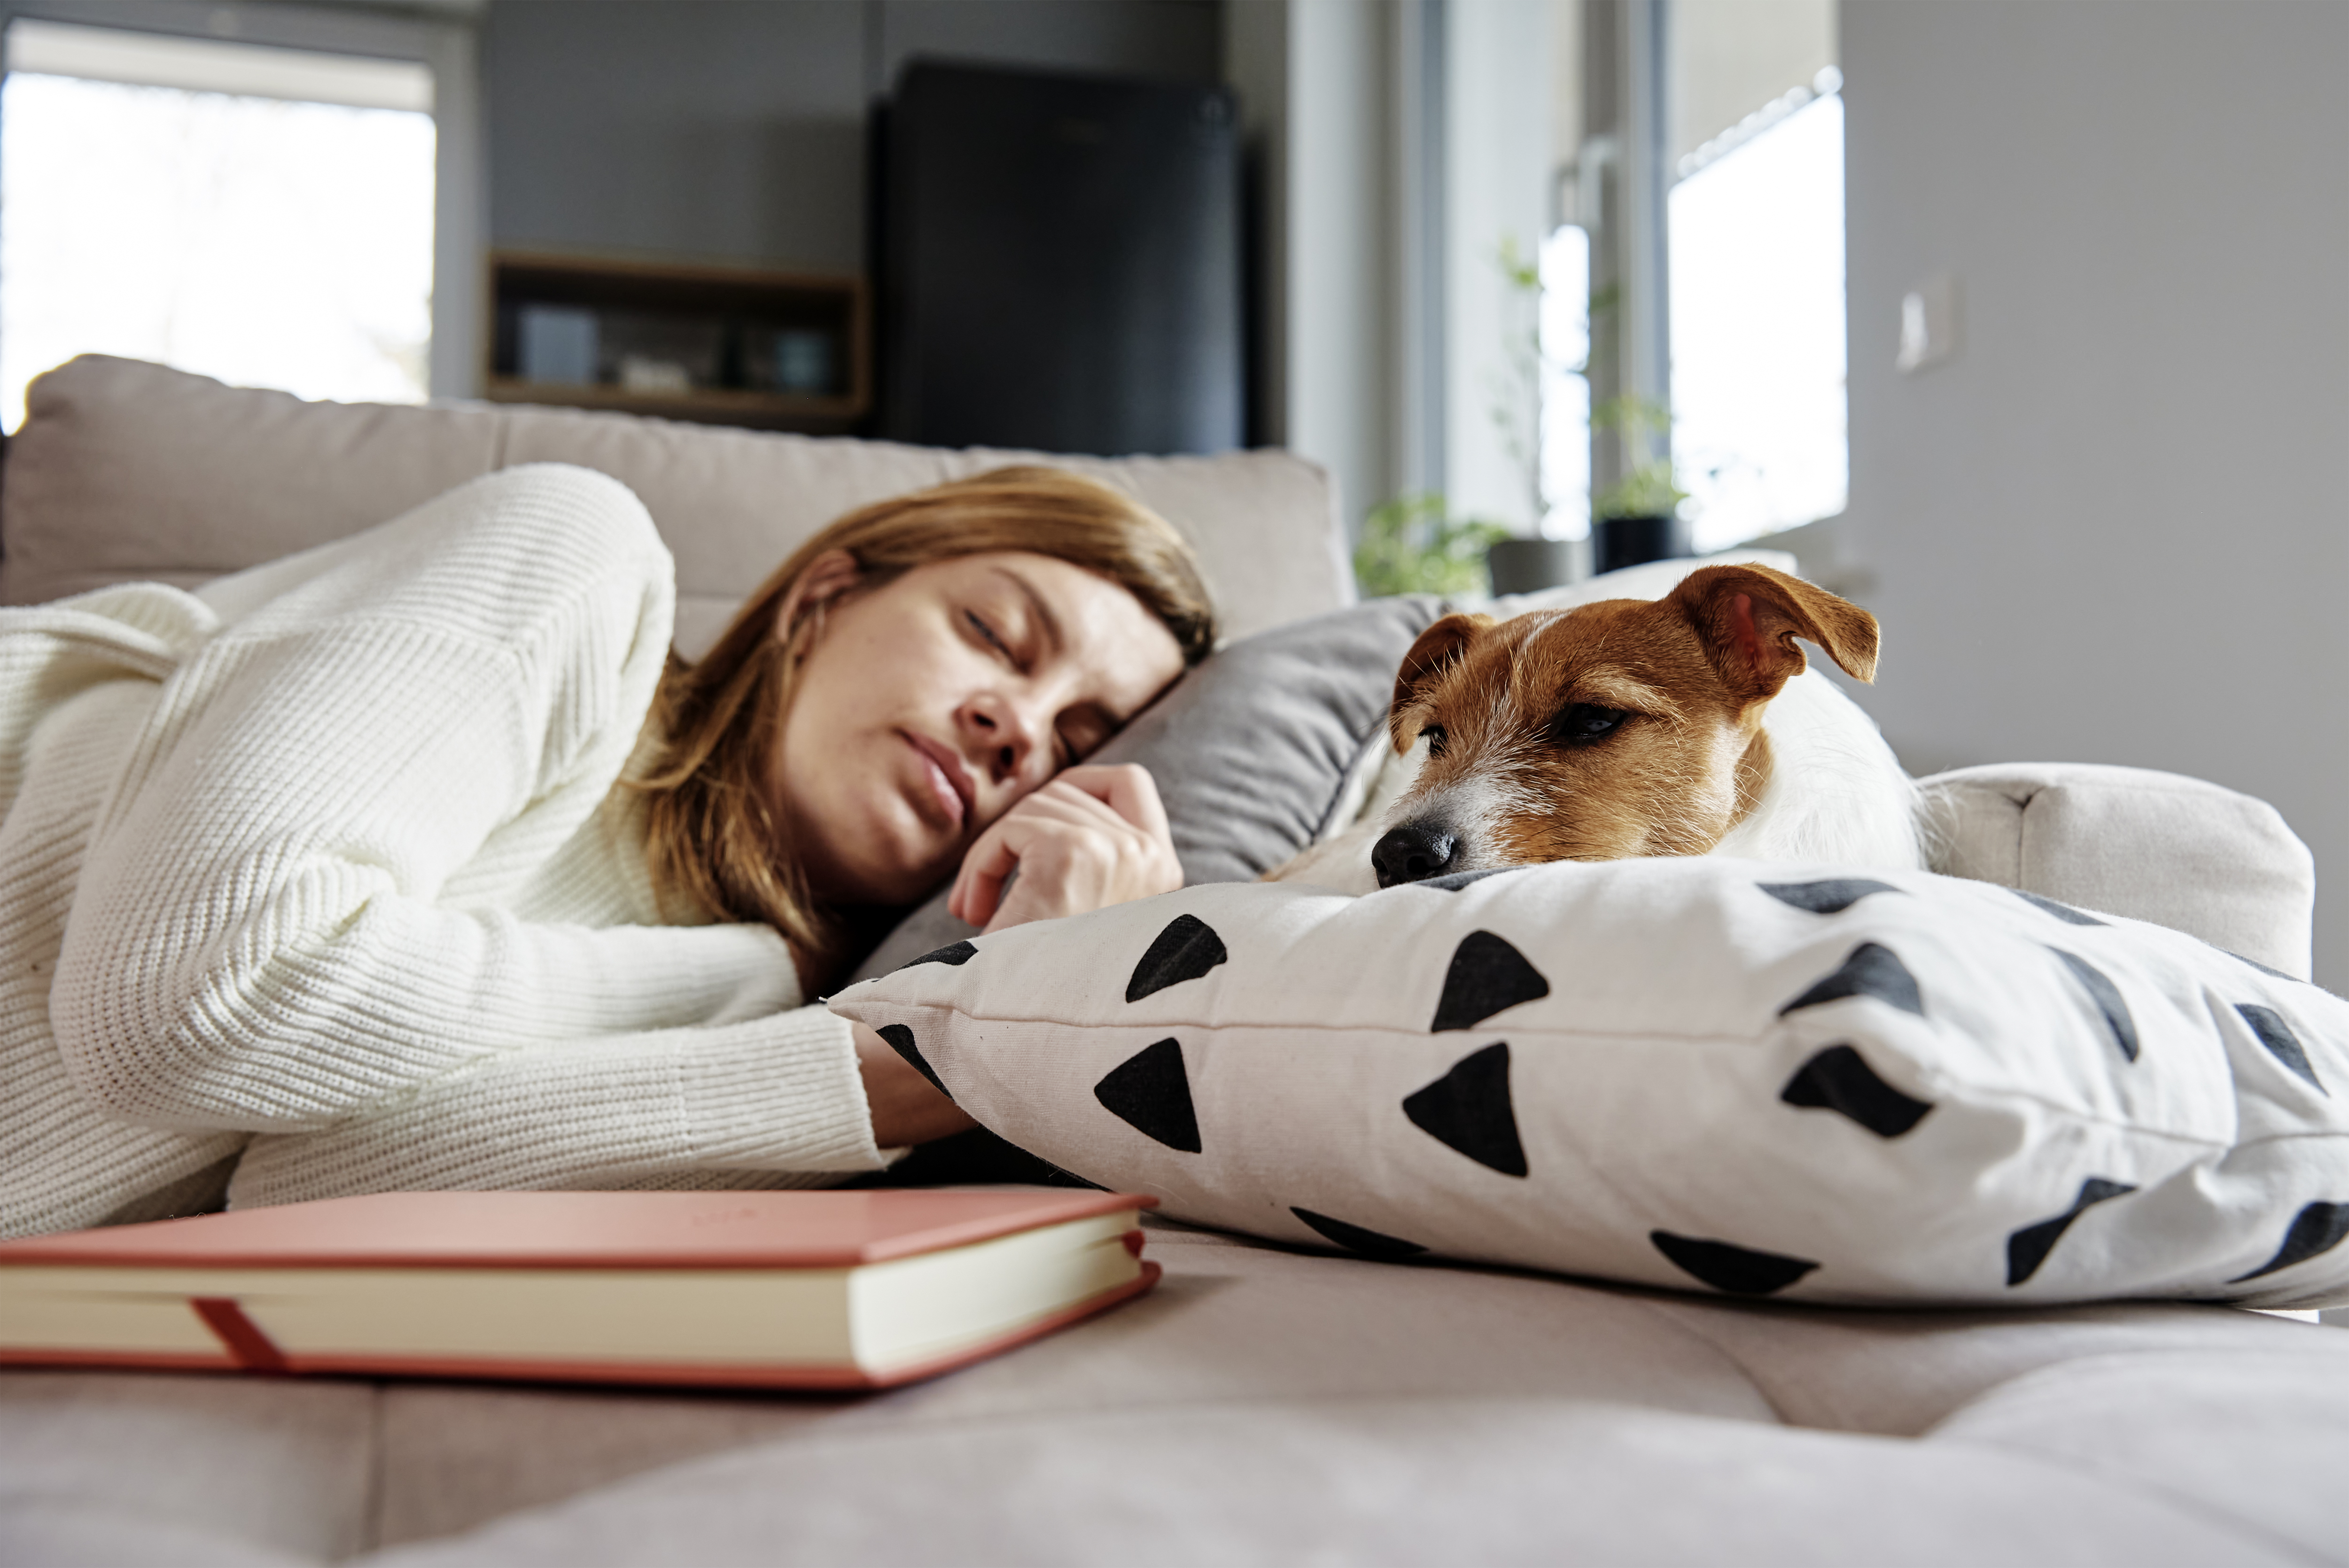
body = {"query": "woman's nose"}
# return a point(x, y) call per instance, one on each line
point(1005, 735)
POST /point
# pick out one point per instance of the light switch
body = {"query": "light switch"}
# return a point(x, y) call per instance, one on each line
point(1931, 318)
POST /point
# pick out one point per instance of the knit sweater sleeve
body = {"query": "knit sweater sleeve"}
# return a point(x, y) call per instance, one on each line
point(676, 1106)
point(267, 936)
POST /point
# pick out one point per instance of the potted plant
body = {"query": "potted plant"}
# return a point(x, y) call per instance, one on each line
point(1534, 562)
point(1637, 519)
point(1411, 545)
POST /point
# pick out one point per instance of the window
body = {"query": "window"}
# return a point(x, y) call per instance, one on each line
point(259, 214)
point(1564, 390)
point(1757, 321)
point(1698, 146)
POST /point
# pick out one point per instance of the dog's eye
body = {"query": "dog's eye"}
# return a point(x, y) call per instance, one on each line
point(1433, 735)
point(1584, 722)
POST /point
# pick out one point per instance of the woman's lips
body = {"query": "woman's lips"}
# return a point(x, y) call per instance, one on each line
point(949, 782)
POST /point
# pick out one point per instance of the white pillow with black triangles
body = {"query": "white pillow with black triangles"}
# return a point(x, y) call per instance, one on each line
point(1704, 1073)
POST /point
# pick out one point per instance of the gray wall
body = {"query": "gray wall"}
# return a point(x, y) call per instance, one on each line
point(734, 129)
point(2114, 529)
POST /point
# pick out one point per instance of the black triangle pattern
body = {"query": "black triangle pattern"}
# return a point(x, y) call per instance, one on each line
point(1355, 1238)
point(1839, 1079)
point(1486, 976)
point(2107, 998)
point(954, 953)
point(2281, 1043)
point(1832, 896)
point(901, 1040)
point(1186, 950)
point(1740, 1271)
point(2027, 1248)
point(1468, 1108)
point(2318, 1228)
point(2063, 912)
point(1458, 880)
point(1872, 970)
point(1152, 1093)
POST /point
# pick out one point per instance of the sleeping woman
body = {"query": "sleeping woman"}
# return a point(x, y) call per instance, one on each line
point(418, 861)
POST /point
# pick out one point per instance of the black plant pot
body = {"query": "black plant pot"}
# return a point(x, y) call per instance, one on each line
point(1529, 566)
point(1620, 541)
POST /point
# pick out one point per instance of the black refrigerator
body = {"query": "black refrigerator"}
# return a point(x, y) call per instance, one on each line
point(1059, 262)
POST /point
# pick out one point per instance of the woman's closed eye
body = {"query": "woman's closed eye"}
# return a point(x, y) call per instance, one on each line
point(987, 634)
point(1076, 736)
point(1079, 735)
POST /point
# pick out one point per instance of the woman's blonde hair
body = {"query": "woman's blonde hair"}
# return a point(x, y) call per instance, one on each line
point(716, 841)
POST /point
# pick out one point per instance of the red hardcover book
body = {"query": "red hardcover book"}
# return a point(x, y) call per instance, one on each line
point(788, 1290)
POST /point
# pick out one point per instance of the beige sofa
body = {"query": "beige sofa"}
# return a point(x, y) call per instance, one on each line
point(1262, 1405)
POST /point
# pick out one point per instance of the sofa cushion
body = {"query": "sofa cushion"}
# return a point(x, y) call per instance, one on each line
point(109, 1467)
point(1262, 1407)
point(1254, 1358)
point(1759, 1079)
point(124, 470)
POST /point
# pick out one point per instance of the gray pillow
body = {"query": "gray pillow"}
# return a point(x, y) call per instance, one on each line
point(1250, 750)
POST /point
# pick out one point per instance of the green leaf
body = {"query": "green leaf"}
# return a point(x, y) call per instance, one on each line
point(1410, 545)
point(1648, 491)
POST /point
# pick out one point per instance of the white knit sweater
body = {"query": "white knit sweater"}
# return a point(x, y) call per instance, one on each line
point(317, 881)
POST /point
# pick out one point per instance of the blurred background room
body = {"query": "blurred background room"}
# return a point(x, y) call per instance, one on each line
point(2021, 322)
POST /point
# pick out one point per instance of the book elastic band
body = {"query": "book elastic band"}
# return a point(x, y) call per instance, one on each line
point(251, 1349)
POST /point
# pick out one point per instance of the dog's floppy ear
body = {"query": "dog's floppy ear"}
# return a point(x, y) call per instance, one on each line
point(1435, 650)
point(1749, 616)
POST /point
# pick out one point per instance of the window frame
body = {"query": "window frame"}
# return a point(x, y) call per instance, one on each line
point(441, 37)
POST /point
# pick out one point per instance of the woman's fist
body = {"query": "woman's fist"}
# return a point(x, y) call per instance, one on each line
point(1094, 837)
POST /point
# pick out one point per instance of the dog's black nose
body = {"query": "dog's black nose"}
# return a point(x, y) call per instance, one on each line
point(1414, 852)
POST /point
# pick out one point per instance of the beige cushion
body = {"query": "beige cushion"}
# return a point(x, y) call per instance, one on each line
point(124, 1468)
point(127, 470)
point(1262, 1406)
point(2152, 846)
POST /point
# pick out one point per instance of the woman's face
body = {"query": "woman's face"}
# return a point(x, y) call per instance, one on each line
point(929, 706)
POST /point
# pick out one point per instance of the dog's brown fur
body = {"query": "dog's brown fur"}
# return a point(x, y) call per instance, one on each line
point(1690, 675)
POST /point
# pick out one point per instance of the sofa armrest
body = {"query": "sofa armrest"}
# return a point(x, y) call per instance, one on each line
point(2158, 847)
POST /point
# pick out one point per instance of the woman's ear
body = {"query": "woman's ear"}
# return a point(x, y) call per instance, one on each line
point(826, 580)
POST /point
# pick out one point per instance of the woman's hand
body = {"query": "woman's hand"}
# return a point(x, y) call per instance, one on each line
point(1091, 837)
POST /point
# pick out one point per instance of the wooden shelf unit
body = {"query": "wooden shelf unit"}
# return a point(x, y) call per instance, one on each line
point(721, 312)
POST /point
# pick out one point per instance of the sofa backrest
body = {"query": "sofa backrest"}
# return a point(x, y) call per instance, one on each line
point(126, 471)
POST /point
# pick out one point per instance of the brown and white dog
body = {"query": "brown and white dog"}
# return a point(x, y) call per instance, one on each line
point(1685, 725)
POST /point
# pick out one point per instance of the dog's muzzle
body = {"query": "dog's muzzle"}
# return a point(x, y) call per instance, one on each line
point(1414, 852)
